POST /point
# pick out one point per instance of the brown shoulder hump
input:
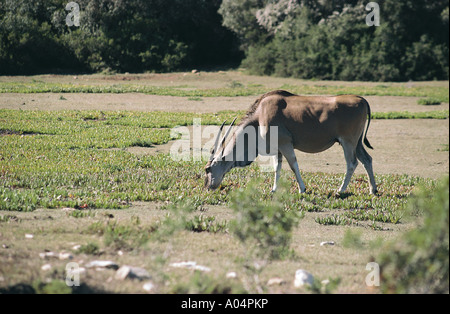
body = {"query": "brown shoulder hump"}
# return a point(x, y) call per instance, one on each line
point(257, 102)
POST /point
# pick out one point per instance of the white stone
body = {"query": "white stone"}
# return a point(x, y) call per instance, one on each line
point(102, 264)
point(46, 267)
point(47, 255)
point(276, 281)
point(131, 272)
point(64, 255)
point(302, 277)
point(202, 268)
point(190, 265)
point(183, 264)
point(148, 286)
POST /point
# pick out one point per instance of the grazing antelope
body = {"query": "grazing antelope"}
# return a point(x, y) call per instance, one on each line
point(310, 124)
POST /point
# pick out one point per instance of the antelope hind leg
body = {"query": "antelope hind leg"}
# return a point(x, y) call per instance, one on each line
point(352, 163)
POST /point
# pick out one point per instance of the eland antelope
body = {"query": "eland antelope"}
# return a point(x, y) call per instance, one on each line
point(310, 124)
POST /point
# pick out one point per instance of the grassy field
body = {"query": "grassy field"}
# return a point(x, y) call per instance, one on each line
point(74, 158)
point(232, 89)
point(69, 184)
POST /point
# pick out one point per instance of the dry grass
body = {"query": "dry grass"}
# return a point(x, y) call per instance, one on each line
point(56, 231)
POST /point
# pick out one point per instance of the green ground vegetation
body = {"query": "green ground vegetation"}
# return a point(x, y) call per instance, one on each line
point(79, 159)
point(70, 169)
point(437, 93)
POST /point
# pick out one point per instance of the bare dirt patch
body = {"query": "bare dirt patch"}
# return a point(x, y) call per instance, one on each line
point(54, 230)
point(114, 102)
point(143, 102)
point(412, 147)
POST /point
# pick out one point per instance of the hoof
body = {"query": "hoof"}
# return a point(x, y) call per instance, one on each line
point(342, 194)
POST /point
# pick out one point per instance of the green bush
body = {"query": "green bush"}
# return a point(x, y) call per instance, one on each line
point(52, 287)
point(419, 262)
point(428, 101)
point(202, 223)
point(89, 249)
point(265, 226)
point(330, 39)
point(200, 283)
point(125, 36)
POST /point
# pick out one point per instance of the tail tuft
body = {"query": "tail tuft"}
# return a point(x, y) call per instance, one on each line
point(366, 141)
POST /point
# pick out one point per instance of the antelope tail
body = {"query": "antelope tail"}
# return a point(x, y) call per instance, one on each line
point(366, 141)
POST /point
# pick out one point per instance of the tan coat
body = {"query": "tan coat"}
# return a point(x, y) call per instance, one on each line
point(310, 124)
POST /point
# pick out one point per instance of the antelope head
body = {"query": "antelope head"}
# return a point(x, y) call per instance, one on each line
point(217, 166)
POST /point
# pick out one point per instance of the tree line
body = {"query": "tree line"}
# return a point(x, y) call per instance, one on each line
point(113, 36)
point(311, 39)
point(329, 39)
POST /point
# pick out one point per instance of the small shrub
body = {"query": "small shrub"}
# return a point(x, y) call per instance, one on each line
point(175, 219)
point(235, 84)
point(352, 239)
point(202, 223)
point(419, 261)
point(81, 213)
point(8, 218)
point(324, 287)
point(428, 101)
point(52, 287)
point(201, 283)
point(194, 98)
point(265, 226)
point(90, 249)
point(334, 219)
point(122, 236)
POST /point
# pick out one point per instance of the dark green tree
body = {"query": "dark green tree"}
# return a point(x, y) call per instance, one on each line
point(117, 35)
point(329, 39)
